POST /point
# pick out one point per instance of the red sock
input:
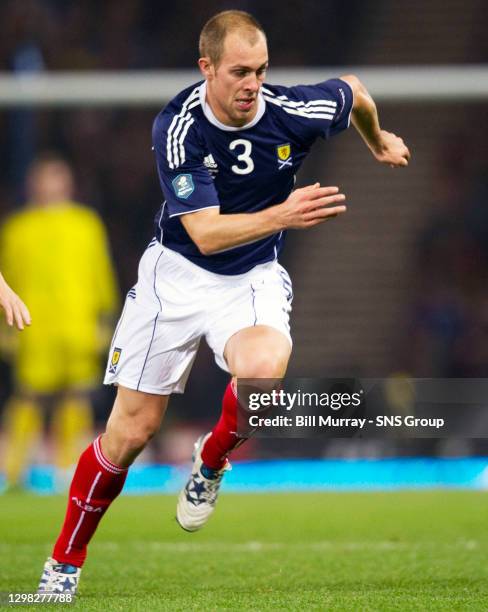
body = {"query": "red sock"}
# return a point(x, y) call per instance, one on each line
point(223, 438)
point(96, 483)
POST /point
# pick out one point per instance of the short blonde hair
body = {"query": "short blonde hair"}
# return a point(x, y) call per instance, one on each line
point(214, 32)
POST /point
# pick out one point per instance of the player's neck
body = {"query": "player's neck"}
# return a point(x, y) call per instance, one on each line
point(215, 110)
point(224, 118)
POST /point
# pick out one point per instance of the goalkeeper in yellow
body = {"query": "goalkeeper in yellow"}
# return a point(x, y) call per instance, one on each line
point(55, 254)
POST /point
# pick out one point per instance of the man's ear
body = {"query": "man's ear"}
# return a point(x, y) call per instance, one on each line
point(206, 67)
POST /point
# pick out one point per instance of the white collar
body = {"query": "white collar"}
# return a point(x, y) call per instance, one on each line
point(209, 114)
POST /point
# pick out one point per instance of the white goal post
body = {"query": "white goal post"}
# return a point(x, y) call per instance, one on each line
point(139, 88)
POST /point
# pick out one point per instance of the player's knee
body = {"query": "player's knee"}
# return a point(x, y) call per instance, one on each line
point(265, 365)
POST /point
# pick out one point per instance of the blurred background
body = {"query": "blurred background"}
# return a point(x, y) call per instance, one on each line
point(397, 286)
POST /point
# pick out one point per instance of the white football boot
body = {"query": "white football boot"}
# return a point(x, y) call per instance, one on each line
point(197, 500)
point(59, 578)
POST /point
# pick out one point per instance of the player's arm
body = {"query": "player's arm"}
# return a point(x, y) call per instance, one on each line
point(306, 207)
point(385, 146)
point(16, 311)
point(191, 195)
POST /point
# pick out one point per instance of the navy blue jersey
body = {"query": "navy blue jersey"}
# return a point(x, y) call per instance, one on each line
point(203, 163)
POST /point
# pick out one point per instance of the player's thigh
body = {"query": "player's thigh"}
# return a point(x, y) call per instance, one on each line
point(258, 352)
point(249, 331)
point(158, 334)
point(136, 416)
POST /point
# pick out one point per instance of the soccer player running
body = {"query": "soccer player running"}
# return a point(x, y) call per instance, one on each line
point(227, 151)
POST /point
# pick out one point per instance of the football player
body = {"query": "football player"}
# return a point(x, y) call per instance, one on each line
point(227, 151)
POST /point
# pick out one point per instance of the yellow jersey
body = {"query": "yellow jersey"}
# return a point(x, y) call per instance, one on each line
point(57, 258)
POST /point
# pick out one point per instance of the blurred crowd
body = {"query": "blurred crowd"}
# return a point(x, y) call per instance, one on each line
point(448, 332)
point(150, 34)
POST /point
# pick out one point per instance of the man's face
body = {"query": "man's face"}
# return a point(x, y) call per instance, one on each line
point(233, 85)
point(50, 182)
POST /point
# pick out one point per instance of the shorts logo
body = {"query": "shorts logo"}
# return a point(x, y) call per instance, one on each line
point(183, 186)
point(284, 155)
point(115, 360)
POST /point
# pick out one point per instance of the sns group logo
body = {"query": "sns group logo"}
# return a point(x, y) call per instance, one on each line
point(183, 186)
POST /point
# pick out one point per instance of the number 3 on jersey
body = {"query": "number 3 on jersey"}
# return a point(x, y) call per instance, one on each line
point(244, 157)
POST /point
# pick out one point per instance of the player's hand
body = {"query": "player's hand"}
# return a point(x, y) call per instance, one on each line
point(311, 205)
point(391, 150)
point(16, 312)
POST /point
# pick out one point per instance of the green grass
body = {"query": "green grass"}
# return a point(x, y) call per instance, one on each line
point(318, 551)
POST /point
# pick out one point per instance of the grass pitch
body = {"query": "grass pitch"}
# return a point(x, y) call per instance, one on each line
point(315, 551)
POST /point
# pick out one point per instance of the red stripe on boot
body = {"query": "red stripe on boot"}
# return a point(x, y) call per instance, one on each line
point(96, 483)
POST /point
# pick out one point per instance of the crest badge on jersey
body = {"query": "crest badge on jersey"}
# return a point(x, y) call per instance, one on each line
point(114, 362)
point(284, 156)
point(183, 186)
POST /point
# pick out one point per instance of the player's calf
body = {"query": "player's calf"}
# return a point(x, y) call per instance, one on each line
point(134, 420)
point(98, 480)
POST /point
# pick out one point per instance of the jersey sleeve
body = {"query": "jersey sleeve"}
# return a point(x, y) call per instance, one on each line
point(186, 183)
point(323, 109)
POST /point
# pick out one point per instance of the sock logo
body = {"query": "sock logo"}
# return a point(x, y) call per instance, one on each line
point(115, 360)
point(85, 507)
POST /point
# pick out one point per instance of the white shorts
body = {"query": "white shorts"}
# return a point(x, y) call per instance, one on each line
point(175, 303)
